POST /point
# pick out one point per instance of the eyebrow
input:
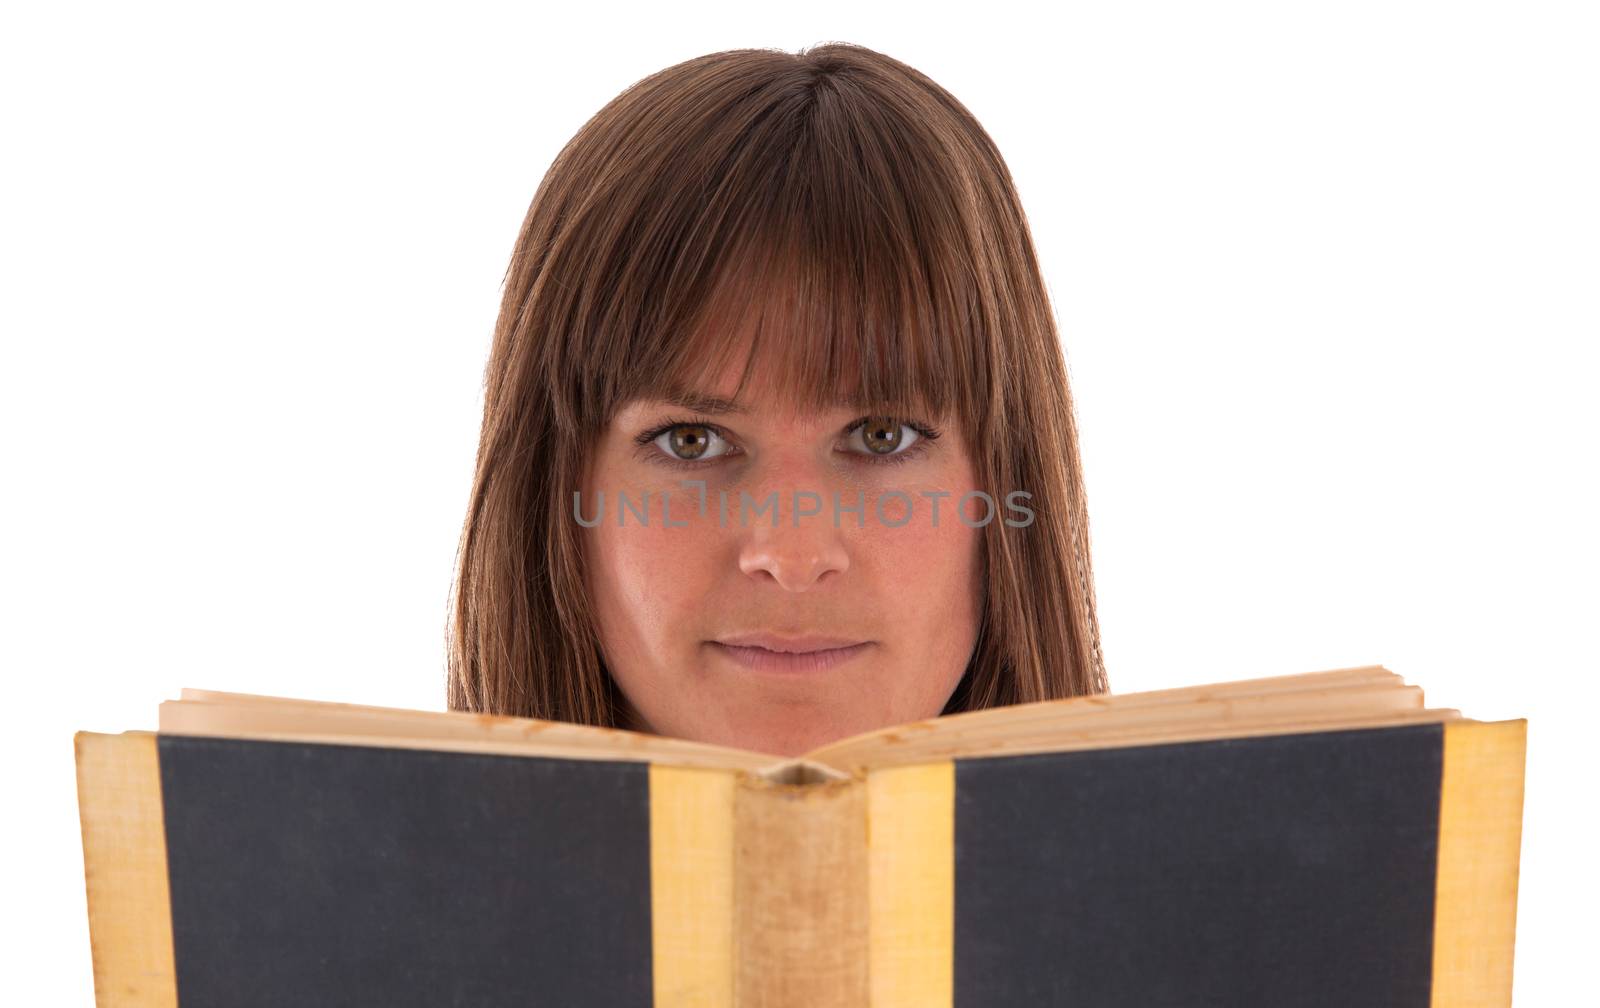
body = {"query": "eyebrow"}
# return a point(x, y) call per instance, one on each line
point(716, 405)
point(700, 402)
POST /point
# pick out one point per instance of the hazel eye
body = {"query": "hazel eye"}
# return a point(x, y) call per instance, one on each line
point(885, 436)
point(690, 442)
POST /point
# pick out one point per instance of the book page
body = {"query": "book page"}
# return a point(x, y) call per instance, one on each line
point(1313, 700)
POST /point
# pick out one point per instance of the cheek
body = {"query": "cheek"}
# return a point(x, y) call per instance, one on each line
point(647, 582)
point(931, 573)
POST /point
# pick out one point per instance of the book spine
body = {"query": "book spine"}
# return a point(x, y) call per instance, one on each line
point(800, 892)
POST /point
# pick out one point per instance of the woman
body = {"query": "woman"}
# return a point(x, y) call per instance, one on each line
point(802, 281)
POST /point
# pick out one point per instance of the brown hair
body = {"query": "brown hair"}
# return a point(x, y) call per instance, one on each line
point(848, 208)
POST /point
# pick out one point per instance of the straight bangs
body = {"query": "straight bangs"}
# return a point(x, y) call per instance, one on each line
point(845, 281)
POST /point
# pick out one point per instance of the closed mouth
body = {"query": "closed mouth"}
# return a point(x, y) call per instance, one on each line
point(788, 644)
point(759, 658)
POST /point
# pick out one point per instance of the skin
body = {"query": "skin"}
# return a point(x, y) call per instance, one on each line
point(661, 593)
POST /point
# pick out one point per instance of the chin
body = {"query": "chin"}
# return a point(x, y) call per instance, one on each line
point(792, 739)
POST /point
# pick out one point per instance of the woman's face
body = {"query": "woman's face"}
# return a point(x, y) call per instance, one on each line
point(727, 628)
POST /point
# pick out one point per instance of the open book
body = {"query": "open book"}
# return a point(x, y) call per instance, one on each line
point(1312, 839)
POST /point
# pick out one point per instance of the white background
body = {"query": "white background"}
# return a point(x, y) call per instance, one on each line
point(1326, 276)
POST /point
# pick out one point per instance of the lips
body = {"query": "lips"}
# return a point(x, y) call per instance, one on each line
point(788, 645)
point(789, 655)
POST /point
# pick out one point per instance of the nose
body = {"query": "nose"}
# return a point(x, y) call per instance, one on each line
point(795, 556)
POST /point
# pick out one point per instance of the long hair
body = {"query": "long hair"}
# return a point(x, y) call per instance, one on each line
point(855, 217)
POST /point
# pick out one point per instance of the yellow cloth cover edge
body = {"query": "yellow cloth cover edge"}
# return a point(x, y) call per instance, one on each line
point(691, 887)
point(911, 885)
point(1480, 837)
point(125, 870)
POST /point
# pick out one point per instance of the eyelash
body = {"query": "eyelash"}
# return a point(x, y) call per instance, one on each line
point(926, 435)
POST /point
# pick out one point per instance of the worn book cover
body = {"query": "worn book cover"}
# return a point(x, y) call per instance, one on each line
point(1314, 839)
